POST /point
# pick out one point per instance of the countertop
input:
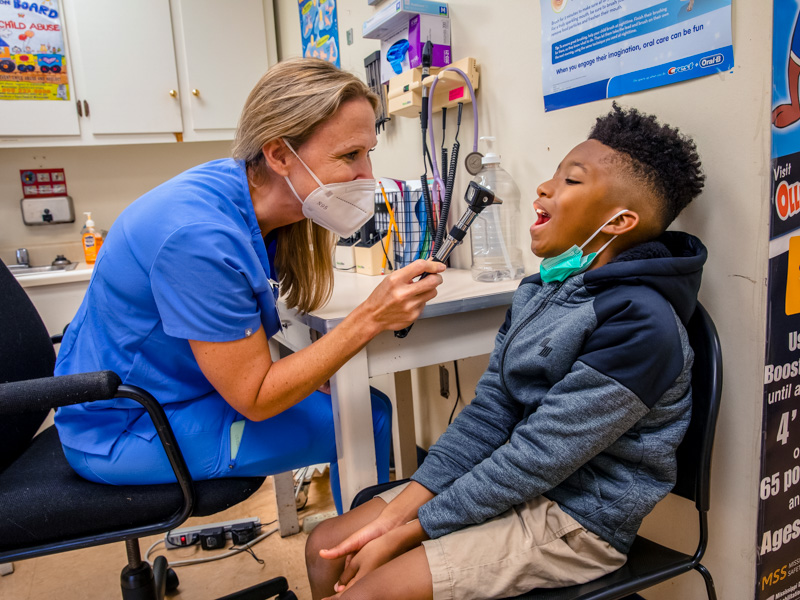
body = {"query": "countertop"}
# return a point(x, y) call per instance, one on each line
point(80, 273)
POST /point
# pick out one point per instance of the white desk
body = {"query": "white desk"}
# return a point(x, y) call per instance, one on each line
point(459, 323)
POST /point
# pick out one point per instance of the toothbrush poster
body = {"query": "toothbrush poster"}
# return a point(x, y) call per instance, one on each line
point(595, 49)
point(33, 65)
point(319, 30)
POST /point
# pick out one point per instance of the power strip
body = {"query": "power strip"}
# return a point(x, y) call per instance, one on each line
point(188, 536)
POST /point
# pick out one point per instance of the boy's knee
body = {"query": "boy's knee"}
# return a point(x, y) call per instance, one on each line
point(323, 536)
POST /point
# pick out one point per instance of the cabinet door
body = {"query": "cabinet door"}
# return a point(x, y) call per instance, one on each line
point(38, 117)
point(126, 65)
point(225, 48)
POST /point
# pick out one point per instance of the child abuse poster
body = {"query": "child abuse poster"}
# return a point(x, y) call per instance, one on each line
point(32, 61)
point(595, 49)
point(778, 529)
point(319, 29)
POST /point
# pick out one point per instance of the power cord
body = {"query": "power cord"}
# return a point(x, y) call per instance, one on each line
point(458, 393)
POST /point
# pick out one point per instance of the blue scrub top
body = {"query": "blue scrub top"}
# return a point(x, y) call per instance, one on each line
point(186, 261)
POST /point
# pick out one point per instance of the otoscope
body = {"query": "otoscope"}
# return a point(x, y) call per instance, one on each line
point(477, 198)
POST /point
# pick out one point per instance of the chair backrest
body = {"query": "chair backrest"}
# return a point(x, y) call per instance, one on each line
point(694, 453)
point(26, 352)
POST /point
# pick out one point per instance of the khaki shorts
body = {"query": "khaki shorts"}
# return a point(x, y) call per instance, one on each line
point(532, 545)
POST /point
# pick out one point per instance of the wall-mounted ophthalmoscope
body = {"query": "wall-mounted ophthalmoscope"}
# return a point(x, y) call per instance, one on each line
point(477, 198)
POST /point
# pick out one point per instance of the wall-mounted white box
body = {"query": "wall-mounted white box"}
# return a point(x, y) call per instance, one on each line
point(47, 211)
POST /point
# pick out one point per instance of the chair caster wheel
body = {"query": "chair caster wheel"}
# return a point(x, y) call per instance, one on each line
point(172, 580)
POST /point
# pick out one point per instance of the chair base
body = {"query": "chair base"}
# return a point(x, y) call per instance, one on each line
point(140, 581)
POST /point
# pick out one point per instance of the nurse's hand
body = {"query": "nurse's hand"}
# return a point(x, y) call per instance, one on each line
point(398, 300)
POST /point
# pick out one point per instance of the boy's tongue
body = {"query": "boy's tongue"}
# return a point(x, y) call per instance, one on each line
point(541, 218)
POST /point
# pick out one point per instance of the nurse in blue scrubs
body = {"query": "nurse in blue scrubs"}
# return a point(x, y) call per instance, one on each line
point(182, 299)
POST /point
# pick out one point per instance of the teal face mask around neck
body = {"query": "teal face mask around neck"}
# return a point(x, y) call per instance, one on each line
point(572, 261)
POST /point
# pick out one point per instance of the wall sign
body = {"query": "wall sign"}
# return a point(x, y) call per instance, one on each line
point(595, 49)
point(319, 30)
point(43, 183)
point(778, 533)
point(33, 65)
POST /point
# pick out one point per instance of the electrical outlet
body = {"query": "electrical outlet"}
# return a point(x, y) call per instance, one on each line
point(444, 382)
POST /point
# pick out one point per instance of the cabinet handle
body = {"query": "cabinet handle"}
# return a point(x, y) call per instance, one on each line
point(80, 110)
point(195, 92)
point(86, 108)
point(173, 93)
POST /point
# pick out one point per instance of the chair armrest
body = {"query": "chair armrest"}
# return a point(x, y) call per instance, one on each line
point(35, 395)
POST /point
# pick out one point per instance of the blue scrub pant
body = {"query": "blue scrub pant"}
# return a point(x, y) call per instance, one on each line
point(300, 436)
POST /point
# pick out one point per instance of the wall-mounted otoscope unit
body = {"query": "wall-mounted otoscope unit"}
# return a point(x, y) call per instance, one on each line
point(477, 198)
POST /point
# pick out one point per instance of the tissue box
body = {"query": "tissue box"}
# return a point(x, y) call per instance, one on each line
point(396, 15)
point(402, 51)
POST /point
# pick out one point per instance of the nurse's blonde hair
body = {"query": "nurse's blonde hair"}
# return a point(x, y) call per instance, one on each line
point(290, 101)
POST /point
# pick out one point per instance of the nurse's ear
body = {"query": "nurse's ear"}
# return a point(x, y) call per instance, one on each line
point(277, 156)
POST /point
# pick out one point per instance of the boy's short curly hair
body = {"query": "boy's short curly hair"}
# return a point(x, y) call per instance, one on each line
point(659, 155)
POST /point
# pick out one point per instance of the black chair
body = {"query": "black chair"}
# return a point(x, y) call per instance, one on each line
point(47, 507)
point(650, 563)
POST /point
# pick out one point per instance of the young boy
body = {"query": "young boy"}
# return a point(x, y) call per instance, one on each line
point(544, 479)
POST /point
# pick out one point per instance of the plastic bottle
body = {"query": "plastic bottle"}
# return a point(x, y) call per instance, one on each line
point(496, 254)
point(91, 240)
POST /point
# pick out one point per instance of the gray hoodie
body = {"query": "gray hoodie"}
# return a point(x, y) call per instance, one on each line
point(585, 399)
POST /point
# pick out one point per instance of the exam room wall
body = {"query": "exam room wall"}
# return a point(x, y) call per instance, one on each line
point(728, 115)
point(100, 179)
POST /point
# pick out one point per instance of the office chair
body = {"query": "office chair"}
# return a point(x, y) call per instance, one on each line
point(650, 563)
point(47, 507)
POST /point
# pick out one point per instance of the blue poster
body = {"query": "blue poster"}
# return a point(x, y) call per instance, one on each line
point(319, 29)
point(595, 49)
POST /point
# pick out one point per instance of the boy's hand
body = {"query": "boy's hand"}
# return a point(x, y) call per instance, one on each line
point(378, 552)
point(399, 511)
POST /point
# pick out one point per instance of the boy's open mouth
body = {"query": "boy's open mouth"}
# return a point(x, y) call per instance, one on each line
point(542, 217)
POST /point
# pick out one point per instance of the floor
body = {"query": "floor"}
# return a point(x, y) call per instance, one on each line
point(93, 573)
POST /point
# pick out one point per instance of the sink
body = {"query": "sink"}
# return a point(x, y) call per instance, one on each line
point(23, 270)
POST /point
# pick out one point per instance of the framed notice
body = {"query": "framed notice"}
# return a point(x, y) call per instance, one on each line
point(33, 64)
point(594, 49)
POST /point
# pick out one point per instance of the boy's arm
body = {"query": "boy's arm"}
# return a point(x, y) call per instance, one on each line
point(579, 417)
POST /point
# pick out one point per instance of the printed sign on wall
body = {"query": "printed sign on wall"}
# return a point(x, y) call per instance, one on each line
point(319, 29)
point(32, 61)
point(595, 49)
point(778, 534)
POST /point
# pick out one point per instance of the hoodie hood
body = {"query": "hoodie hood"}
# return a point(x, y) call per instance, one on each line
point(672, 264)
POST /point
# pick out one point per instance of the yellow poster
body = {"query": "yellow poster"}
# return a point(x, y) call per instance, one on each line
point(33, 64)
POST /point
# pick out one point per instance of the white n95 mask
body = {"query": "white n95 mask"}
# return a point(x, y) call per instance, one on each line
point(338, 207)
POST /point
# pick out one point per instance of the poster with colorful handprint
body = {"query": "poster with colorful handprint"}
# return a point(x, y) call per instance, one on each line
point(319, 29)
point(33, 65)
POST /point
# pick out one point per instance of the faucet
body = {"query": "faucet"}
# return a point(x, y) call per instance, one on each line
point(22, 257)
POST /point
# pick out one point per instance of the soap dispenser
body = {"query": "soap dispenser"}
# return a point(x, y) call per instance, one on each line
point(91, 240)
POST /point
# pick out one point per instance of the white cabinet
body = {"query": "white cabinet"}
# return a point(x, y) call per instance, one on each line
point(151, 71)
point(124, 66)
point(223, 46)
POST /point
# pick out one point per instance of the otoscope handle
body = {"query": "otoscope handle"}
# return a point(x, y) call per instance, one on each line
point(401, 333)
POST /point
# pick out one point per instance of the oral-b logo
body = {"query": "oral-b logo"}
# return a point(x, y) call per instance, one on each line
point(711, 61)
point(680, 69)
